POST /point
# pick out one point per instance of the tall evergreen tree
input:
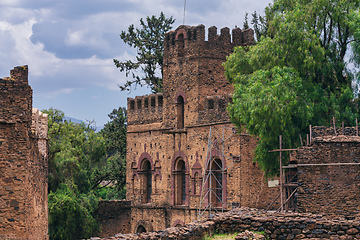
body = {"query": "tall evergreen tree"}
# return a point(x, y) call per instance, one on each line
point(148, 41)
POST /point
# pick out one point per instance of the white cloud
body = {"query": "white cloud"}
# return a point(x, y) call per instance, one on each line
point(76, 37)
point(71, 49)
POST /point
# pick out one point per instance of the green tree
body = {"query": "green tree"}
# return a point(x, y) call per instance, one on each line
point(114, 132)
point(296, 75)
point(148, 40)
point(71, 215)
point(84, 166)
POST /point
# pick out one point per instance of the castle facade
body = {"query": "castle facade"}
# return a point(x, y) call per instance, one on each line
point(184, 156)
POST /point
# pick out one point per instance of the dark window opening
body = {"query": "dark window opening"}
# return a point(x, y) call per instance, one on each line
point(139, 104)
point(152, 102)
point(180, 183)
point(146, 103)
point(160, 101)
point(216, 183)
point(147, 181)
point(180, 112)
point(141, 229)
point(211, 103)
point(132, 105)
point(180, 44)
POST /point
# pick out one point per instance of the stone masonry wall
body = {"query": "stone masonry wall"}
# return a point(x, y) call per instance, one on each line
point(335, 189)
point(108, 213)
point(275, 225)
point(159, 144)
point(23, 161)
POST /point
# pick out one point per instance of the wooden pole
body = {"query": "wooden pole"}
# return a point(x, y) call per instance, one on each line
point(343, 130)
point(307, 139)
point(357, 130)
point(310, 135)
point(301, 142)
point(334, 125)
point(281, 179)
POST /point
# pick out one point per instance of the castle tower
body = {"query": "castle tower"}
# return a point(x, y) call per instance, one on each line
point(193, 70)
point(23, 161)
point(167, 136)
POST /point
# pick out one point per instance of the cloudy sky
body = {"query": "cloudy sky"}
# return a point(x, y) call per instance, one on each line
point(69, 45)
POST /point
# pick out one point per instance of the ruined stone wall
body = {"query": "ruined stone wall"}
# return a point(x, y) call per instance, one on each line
point(335, 189)
point(108, 213)
point(23, 161)
point(159, 145)
point(275, 226)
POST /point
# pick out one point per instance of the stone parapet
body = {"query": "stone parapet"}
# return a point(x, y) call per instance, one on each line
point(145, 109)
point(190, 41)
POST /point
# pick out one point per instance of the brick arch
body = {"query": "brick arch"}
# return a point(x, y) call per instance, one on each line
point(180, 93)
point(180, 155)
point(146, 224)
point(178, 222)
point(179, 32)
point(216, 154)
point(146, 156)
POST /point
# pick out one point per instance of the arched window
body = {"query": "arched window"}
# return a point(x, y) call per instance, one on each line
point(180, 182)
point(180, 45)
point(141, 229)
point(180, 112)
point(216, 183)
point(147, 181)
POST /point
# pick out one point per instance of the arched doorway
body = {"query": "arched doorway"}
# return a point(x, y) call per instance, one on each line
point(140, 229)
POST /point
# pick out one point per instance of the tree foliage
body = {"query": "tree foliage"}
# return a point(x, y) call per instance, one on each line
point(115, 134)
point(297, 74)
point(148, 41)
point(83, 167)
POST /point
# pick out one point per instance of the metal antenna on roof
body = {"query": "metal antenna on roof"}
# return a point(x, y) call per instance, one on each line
point(184, 12)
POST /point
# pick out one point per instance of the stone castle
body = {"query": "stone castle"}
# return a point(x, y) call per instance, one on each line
point(23, 161)
point(184, 157)
point(168, 137)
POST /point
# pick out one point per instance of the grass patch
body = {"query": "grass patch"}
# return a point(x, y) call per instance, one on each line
point(222, 236)
point(228, 236)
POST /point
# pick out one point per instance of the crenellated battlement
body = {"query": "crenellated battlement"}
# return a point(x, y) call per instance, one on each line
point(187, 41)
point(145, 109)
point(214, 109)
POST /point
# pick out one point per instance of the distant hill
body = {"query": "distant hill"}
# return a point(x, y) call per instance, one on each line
point(74, 120)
